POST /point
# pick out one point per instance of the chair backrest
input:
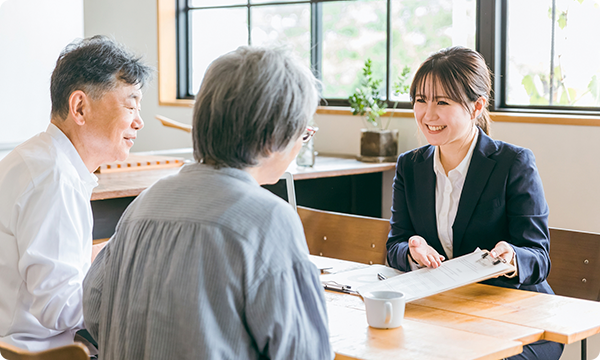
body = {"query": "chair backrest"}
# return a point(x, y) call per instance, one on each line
point(575, 257)
point(347, 237)
point(76, 351)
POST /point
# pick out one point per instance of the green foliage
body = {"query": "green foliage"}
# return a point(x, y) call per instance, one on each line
point(401, 86)
point(535, 98)
point(562, 20)
point(568, 96)
point(561, 94)
point(594, 88)
point(366, 100)
point(431, 25)
point(348, 40)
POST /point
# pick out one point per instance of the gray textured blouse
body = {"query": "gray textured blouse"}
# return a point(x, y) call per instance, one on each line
point(206, 264)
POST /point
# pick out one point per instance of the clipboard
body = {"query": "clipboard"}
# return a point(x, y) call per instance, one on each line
point(350, 281)
point(463, 270)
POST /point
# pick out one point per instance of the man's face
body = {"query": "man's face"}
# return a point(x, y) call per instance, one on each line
point(113, 122)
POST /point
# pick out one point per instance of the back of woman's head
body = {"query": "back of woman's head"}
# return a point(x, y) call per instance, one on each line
point(252, 102)
point(462, 75)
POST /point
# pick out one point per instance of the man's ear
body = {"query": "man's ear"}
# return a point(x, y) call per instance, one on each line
point(79, 106)
point(479, 106)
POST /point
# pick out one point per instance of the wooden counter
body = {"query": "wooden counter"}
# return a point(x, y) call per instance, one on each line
point(126, 184)
point(341, 184)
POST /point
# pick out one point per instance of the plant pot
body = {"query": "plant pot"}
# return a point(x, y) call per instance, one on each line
point(378, 145)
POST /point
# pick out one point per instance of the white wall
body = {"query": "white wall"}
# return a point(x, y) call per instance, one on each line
point(32, 34)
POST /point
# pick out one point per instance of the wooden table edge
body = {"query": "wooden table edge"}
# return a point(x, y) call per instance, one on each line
point(538, 334)
point(570, 339)
point(549, 335)
point(345, 172)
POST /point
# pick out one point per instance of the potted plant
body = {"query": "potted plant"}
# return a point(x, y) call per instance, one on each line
point(377, 142)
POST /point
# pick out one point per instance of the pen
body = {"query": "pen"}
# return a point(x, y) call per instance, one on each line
point(339, 288)
point(380, 276)
point(498, 261)
point(495, 261)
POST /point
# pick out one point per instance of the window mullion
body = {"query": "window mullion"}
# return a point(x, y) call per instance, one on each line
point(316, 38)
point(184, 49)
point(249, 25)
point(490, 42)
point(551, 90)
point(388, 52)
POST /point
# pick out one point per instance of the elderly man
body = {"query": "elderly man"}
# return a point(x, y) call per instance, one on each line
point(45, 189)
point(206, 264)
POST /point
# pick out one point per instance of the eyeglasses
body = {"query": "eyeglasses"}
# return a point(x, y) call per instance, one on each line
point(309, 133)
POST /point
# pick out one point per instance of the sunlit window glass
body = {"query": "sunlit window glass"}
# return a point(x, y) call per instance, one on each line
point(420, 28)
point(270, 1)
point(282, 25)
point(207, 3)
point(352, 32)
point(546, 68)
point(213, 33)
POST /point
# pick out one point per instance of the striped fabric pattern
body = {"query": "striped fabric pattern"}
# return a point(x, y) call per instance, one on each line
point(206, 264)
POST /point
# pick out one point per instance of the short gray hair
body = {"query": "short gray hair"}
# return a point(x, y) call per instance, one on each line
point(94, 65)
point(252, 102)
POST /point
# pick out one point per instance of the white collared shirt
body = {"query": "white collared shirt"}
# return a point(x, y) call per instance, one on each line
point(45, 241)
point(447, 194)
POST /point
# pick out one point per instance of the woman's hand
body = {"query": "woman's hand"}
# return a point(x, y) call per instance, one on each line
point(424, 254)
point(504, 251)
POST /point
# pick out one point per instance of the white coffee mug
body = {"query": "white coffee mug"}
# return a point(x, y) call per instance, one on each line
point(385, 309)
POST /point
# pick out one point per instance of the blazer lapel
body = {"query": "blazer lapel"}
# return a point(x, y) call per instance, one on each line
point(480, 170)
point(425, 199)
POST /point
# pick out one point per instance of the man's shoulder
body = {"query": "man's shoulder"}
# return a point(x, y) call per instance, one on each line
point(35, 162)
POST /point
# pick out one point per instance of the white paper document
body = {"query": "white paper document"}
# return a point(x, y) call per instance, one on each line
point(332, 266)
point(353, 279)
point(460, 271)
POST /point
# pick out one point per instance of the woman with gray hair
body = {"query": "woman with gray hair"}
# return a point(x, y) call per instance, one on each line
point(206, 263)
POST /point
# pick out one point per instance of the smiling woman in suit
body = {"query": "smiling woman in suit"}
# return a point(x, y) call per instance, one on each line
point(465, 190)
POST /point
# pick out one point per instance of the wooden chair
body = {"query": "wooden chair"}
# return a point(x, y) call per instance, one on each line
point(343, 236)
point(77, 351)
point(575, 257)
point(575, 272)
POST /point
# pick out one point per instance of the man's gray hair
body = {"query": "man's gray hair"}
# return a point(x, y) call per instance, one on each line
point(94, 65)
point(252, 102)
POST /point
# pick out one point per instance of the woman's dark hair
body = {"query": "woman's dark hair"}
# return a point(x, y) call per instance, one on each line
point(95, 66)
point(252, 102)
point(463, 76)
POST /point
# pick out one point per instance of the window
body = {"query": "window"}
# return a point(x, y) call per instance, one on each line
point(335, 38)
point(560, 68)
point(535, 48)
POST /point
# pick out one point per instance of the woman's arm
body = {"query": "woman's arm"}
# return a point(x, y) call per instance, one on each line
point(402, 230)
point(527, 215)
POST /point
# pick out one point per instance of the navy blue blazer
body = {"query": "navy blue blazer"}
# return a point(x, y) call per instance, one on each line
point(502, 199)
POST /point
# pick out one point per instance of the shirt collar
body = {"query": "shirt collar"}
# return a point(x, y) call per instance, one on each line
point(236, 173)
point(66, 146)
point(463, 167)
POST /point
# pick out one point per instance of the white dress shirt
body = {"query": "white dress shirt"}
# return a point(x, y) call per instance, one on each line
point(447, 194)
point(45, 241)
